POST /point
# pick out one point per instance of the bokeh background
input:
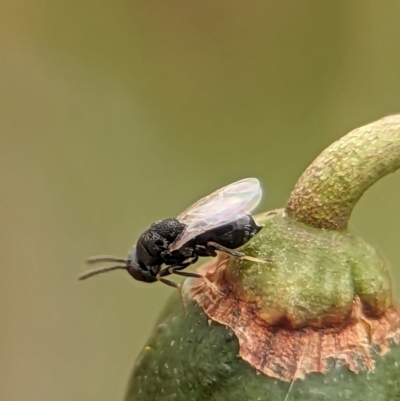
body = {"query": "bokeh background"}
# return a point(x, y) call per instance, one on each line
point(114, 114)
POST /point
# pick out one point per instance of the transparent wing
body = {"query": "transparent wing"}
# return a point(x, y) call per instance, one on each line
point(221, 207)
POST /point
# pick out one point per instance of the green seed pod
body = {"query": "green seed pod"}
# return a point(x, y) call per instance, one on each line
point(315, 323)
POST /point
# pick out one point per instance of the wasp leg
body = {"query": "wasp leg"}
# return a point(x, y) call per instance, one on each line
point(213, 246)
point(206, 250)
point(174, 270)
point(167, 271)
point(203, 250)
point(236, 254)
point(178, 270)
point(169, 282)
point(174, 285)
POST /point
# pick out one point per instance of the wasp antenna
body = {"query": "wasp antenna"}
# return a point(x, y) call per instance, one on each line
point(92, 273)
point(105, 258)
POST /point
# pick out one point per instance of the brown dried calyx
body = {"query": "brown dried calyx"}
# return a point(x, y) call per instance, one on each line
point(285, 353)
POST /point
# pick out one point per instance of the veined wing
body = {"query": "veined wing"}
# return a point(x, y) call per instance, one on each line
point(223, 206)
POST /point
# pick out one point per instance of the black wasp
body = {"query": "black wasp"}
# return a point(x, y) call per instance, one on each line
point(218, 222)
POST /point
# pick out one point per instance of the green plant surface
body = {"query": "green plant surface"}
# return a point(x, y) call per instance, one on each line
point(190, 358)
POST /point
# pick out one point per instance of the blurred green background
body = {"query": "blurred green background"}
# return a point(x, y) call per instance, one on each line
point(114, 114)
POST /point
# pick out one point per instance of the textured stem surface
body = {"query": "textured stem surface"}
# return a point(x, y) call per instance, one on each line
point(326, 193)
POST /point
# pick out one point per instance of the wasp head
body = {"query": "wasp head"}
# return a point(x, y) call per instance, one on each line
point(138, 270)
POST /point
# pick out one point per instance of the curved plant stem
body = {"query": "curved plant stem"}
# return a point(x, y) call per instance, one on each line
point(326, 193)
